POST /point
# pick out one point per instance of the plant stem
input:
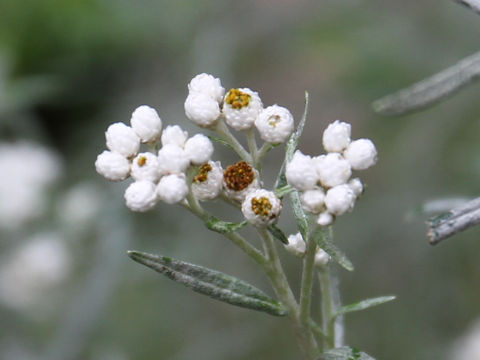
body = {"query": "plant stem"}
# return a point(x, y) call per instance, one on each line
point(252, 146)
point(222, 130)
point(194, 206)
point(307, 281)
point(282, 288)
point(327, 307)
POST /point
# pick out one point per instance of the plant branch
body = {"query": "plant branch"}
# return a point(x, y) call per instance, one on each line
point(307, 281)
point(471, 4)
point(222, 130)
point(454, 221)
point(432, 89)
point(327, 308)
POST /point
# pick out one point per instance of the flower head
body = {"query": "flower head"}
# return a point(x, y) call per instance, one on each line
point(296, 245)
point(241, 108)
point(202, 109)
point(208, 85)
point(141, 196)
point(313, 200)
point(174, 134)
point(336, 136)
point(172, 160)
point(332, 169)
point(145, 167)
point(112, 166)
point(208, 182)
point(361, 154)
point(301, 172)
point(172, 189)
point(261, 207)
point(238, 179)
point(146, 123)
point(122, 139)
point(199, 149)
point(340, 199)
point(275, 124)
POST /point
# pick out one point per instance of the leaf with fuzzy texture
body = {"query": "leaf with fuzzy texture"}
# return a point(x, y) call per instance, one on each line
point(212, 283)
point(323, 240)
point(223, 227)
point(364, 304)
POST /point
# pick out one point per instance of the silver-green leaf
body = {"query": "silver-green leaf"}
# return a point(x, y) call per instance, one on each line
point(223, 227)
point(362, 305)
point(277, 233)
point(345, 353)
point(212, 283)
point(323, 240)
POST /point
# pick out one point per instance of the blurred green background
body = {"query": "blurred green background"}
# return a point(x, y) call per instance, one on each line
point(70, 68)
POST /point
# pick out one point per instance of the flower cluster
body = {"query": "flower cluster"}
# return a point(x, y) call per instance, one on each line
point(324, 181)
point(157, 175)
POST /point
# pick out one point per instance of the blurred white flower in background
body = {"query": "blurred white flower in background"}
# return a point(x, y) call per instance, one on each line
point(34, 268)
point(468, 347)
point(80, 204)
point(26, 170)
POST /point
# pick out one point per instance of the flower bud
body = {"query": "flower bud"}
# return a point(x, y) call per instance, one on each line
point(122, 139)
point(202, 109)
point(332, 169)
point(146, 123)
point(172, 160)
point(301, 172)
point(199, 149)
point(296, 245)
point(336, 136)
point(141, 196)
point(113, 166)
point(172, 189)
point(313, 200)
point(340, 199)
point(145, 167)
point(275, 124)
point(173, 134)
point(361, 154)
point(208, 85)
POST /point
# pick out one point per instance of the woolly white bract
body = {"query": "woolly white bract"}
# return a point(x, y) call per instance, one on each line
point(141, 196)
point(207, 85)
point(112, 166)
point(261, 207)
point(174, 135)
point(199, 149)
point(122, 139)
point(146, 123)
point(336, 136)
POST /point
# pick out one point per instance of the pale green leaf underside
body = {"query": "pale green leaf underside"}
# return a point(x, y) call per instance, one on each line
point(364, 304)
point(223, 227)
point(345, 353)
point(212, 283)
point(323, 240)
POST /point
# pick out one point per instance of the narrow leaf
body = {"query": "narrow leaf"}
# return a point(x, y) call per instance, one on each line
point(284, 190)
point(277, 233)
point(432, 89)
point(220, 141)
point(345, 353)
point(223, 227)
point(324, 241)
point(362, 305)
point(291, 146)
point(299, 214)
point(212, 283)
point(473, 5)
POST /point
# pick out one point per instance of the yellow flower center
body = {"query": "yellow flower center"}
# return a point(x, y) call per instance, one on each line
point(261, 206)
point(238, 176)
point(237, 99)
point(142, 160)
point(273, 120)
point(202, 174)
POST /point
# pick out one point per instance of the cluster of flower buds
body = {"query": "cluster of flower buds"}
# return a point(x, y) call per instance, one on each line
point(157, 176)
point(324, 181)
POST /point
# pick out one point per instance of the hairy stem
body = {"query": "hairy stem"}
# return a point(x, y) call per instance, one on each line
point(307, 281)
point(222, 130)
point(282, 288)
point(327, 307)
point(252, 147)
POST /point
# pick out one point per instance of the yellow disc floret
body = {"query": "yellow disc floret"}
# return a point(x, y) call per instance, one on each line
point(202, 174)
point(261, 206)
point(237, 99)
point(238, 176)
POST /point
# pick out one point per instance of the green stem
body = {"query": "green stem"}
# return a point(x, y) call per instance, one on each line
point(194, 206)
point(282, 288)
point(307, 281)
point(266, 147)
point(252, 146)
point(327, 307)
point(222, 130)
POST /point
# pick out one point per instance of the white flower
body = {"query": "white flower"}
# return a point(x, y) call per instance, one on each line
point(336, 136)
point(202, 109)
point(301, 172)
point(34, 269)
point(112, 166)
point(173, 134)
point(340, 199)
point(208, 182)
point(275, 124)
point(468, 346)
point(172, 160)
point(332, 169)
point(141, 196)
point(241, 108)
point(296, 245)
point(80, 204)
point(361, 154)
point(172, 189)
point(122, 139)
point(357, 186)
point(313, 200)
point(146, 123)
point(208, 85)
point(321, 258)
point(239, 179)
point(145, 167)
point(261, 207)
point(199, 149)
point(325, 218)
